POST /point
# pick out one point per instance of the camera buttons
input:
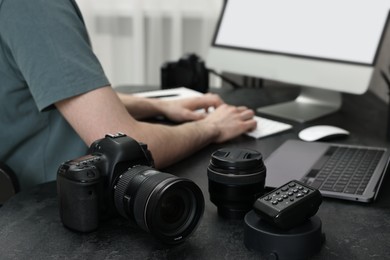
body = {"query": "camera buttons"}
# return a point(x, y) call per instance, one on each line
point(91, 174)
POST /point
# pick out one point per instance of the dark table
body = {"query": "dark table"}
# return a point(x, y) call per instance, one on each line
point(30, 226)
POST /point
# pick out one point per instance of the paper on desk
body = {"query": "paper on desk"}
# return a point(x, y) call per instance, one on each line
point(171, 93)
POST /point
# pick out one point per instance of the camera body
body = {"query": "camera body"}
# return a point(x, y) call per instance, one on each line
point(85, 185)
point(190, 71)
point(116, 178)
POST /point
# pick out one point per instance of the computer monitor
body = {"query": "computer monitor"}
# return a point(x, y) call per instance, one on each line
point(325, 46)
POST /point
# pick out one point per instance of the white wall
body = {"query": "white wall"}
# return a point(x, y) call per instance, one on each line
point(132, 38)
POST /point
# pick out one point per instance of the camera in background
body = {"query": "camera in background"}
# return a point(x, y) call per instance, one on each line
point(189, 71)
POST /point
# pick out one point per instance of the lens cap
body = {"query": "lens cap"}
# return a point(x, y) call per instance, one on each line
point(237, 160)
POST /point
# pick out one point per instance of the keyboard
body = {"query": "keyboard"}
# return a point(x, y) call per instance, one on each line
point(347, 170)
point(267, 127)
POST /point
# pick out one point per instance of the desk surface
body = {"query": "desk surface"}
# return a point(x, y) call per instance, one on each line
point(30, 226)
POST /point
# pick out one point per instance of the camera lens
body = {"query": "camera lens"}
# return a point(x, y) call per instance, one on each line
point(172, 209)
point(167, 206)
point(236, 180)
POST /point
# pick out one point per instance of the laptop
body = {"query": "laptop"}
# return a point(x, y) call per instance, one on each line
point(340, 171)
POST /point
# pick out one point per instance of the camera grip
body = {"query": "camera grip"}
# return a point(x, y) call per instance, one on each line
point(78, 204)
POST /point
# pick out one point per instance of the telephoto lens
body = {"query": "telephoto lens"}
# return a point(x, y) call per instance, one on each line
point(167, 206)
point(236, 179)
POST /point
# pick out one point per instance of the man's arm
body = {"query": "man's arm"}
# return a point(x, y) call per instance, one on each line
point(100, 111)
point(180, 110)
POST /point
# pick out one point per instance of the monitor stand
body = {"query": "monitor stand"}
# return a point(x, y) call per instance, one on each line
point(311, 103)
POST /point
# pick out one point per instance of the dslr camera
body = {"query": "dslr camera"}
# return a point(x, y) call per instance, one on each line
point(189, 71)
point(117, 177)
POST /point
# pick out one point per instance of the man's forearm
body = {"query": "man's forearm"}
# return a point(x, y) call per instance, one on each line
point(170, 144)
point(140, 107)
point(178, 110)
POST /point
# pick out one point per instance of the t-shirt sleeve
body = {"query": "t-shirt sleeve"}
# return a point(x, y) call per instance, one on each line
point(50, 46)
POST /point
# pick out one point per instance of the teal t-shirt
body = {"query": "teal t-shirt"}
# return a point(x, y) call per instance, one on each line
point(45, 57)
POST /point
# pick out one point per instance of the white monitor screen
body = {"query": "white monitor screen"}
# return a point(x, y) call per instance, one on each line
point(324, 46)
point(347, 31)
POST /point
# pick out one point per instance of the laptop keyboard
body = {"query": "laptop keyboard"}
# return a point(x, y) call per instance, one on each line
point(345, 169)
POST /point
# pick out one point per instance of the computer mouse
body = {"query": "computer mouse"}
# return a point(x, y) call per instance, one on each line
point(322, 133)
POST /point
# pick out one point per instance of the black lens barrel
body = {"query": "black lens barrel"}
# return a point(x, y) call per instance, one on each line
point(236, 179)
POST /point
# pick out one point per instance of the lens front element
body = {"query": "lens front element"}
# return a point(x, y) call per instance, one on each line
point(166, 206)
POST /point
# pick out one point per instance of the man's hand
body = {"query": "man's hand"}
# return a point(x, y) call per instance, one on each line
point(189, 109)
point(231, 121)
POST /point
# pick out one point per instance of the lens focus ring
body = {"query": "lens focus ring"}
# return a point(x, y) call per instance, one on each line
point(121, 190)
point(235, 179)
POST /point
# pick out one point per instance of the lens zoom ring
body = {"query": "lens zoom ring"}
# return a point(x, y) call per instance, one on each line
point(121, 188)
